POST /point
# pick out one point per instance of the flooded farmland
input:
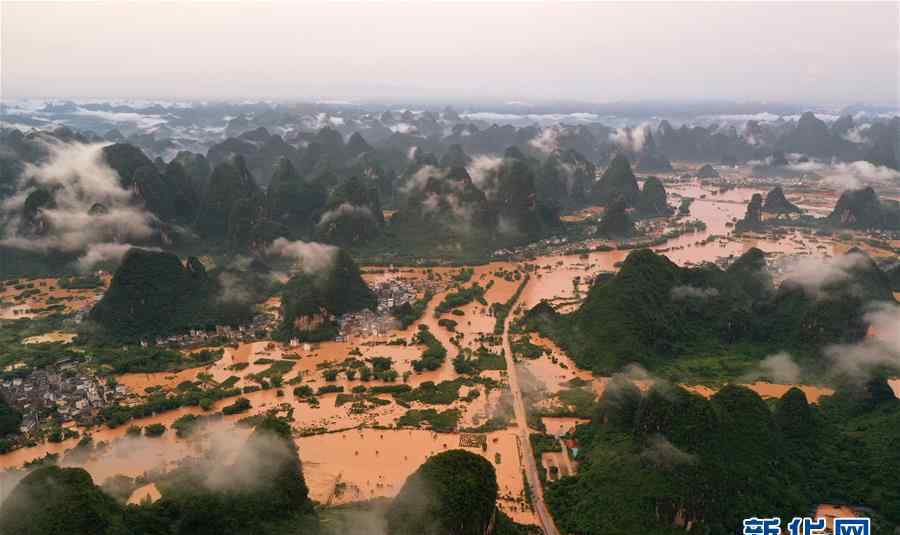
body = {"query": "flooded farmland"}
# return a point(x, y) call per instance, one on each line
point(351, 454)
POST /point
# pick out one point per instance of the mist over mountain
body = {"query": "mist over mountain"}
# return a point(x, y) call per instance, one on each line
point(663, 312)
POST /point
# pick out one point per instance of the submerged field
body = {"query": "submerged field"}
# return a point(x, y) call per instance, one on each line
point(361, 433)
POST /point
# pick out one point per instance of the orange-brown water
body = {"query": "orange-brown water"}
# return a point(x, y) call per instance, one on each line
point(12, 306)
point(374, 462)
point(340, 452)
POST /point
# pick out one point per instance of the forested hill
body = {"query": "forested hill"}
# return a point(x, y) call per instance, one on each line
point(653, 312)
point(657, 462)
point(262, 492)
point(308, 300)
point(153, 293)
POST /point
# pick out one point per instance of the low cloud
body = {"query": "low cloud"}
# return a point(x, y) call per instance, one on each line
point(403, 128)
point(879, 350)
point(78, 179)
point(100, 253)
point(138, 120)
point(312, 256)
point(346, 209)
point(547, 141)
point(857, 134)
point(681, 293)
point(631, 139)
point(483, 171)
point(778, 368)
point(814, 275)
point(418, 180)
point(664, 454)
point(853, 175)
point(233, 289)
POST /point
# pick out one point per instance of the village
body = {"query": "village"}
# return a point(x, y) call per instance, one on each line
point(60, 394)
point(390, 293)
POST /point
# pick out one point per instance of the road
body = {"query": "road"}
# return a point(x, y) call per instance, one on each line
point(531, 472)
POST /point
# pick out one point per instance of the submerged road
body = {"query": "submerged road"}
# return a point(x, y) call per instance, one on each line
point(531, 472)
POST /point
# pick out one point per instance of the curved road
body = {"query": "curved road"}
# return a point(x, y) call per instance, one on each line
point(531, 472)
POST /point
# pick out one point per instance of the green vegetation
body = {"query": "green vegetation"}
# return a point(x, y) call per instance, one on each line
point(239, 405)
point(154, 430)
point(157, 402)
point(577, 402)
point(276, 369)
point(439, 421)
point(185, 425)
point(137, 359)
point(429, 393)
point(435, 353)
point(461, 297)
point(448, 324)
point(654, 313)
point(54, 500)
point(152, 294)
point(308, 299)
point(616, 183)
point(454, 492)
point(464, 275)
point(647, 459)
point(389, 389)
point(521, 346)
point(470, 363)
point(85, 282)
point(407, 313)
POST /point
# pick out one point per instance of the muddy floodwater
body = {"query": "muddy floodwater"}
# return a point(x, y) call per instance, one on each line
point(357, 455)
point(361, 464)
point(32, 298)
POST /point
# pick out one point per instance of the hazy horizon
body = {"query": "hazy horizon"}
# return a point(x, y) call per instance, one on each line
point(811, 53)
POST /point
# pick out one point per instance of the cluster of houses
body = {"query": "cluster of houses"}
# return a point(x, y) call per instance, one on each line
point(262, 323)
point(390, 293)
point(533, 247)
point(60, 391)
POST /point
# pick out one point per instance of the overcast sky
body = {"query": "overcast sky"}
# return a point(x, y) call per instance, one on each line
point(800, 52)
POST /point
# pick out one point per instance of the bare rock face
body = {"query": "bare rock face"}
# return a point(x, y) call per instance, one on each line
point(311, 322)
